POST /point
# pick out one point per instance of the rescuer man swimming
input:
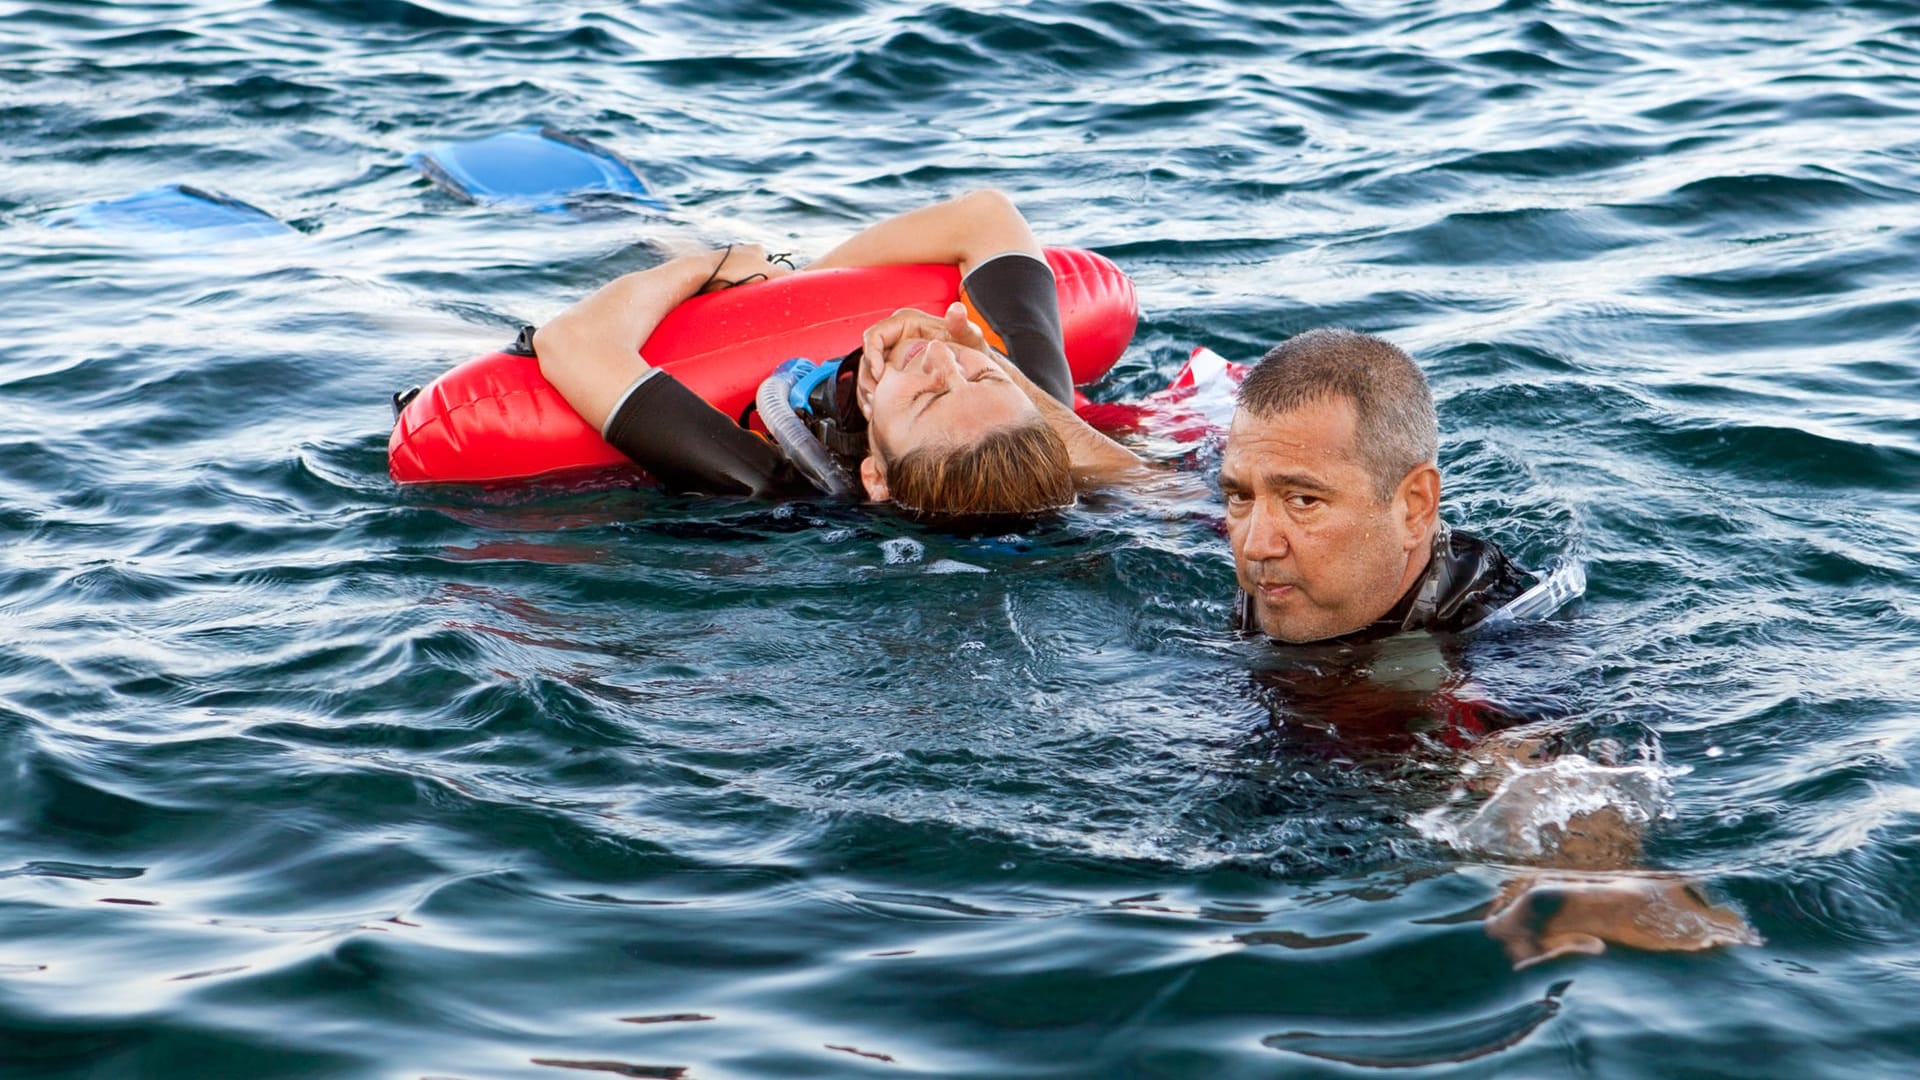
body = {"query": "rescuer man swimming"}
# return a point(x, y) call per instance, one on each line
point(1332, 493)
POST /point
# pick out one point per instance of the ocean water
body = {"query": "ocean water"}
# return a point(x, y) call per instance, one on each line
point(305, 775)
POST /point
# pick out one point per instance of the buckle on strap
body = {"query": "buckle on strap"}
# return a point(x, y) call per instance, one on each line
point(404, 398)
point(522, 344)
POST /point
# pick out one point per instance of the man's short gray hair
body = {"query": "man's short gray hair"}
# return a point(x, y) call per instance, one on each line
point(1396, 428)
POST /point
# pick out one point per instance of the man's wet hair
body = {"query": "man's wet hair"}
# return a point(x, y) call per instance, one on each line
point(1395, 426)
point(1020, 469)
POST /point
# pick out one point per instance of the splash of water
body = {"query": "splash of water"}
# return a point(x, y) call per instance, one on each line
point(1533, 807)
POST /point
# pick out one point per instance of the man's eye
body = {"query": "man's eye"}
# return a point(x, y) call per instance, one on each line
point(1238, 498)
point(1303, 502)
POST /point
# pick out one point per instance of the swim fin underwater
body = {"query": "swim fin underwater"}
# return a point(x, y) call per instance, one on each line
point(537, 167)
point(209, 216)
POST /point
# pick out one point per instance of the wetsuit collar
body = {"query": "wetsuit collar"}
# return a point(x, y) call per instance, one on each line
point(1421, 602)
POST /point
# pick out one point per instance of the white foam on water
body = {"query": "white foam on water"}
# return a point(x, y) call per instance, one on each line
point(954, 566)
point(900, 550)
point(1533, 805)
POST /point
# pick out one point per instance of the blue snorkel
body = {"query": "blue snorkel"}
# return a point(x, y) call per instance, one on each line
point(780, 400)
point(807, 375)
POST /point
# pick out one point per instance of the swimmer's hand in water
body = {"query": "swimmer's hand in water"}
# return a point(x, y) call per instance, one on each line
point(909, 324)
point(1540, 918)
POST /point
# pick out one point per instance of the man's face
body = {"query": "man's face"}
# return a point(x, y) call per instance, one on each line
point(1314, 546)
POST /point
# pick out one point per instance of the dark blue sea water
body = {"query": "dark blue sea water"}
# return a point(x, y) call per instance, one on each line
point(308, 776)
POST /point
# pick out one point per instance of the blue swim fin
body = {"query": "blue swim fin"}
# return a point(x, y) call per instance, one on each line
point(175, 208)
point(537, 167)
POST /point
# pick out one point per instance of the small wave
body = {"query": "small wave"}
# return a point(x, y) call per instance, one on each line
point(364, 14)
point(1763, 201)
point(1592, 152)
point(1794, 455)
point(1503, 238)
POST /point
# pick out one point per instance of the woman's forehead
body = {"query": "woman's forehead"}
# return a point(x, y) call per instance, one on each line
point(965, 409)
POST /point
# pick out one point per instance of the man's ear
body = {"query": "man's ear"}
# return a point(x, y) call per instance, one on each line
point(873, 477)
point(1420, 494)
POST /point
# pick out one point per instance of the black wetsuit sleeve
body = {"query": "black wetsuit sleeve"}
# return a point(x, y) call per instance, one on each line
point(690, 446)
point(1016, 296)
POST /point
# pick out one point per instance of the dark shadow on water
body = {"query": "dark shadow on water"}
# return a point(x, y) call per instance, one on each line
point(1294, 939)
point(617, 1068)
point(1449, 1043)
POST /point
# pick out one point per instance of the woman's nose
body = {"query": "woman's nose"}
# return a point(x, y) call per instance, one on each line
point(937, 359)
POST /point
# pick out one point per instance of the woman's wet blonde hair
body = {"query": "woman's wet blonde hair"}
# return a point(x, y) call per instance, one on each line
point(1021, 469)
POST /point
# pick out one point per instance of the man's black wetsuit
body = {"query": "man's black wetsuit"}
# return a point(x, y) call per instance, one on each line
point(1467, 580)
point(690, 446)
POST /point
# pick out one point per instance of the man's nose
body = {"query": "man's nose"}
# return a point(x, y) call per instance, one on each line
point(1267, 534)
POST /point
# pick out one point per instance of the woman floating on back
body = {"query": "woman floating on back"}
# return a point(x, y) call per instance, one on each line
point(926, 415)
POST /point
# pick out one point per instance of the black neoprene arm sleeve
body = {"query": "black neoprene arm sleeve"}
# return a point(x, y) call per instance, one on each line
point(1016, 296)
point(688, 445)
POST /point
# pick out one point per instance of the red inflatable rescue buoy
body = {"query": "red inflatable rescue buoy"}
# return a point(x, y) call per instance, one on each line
point(495, 418)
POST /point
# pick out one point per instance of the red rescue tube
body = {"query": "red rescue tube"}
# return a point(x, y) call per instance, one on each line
point(495, 418)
